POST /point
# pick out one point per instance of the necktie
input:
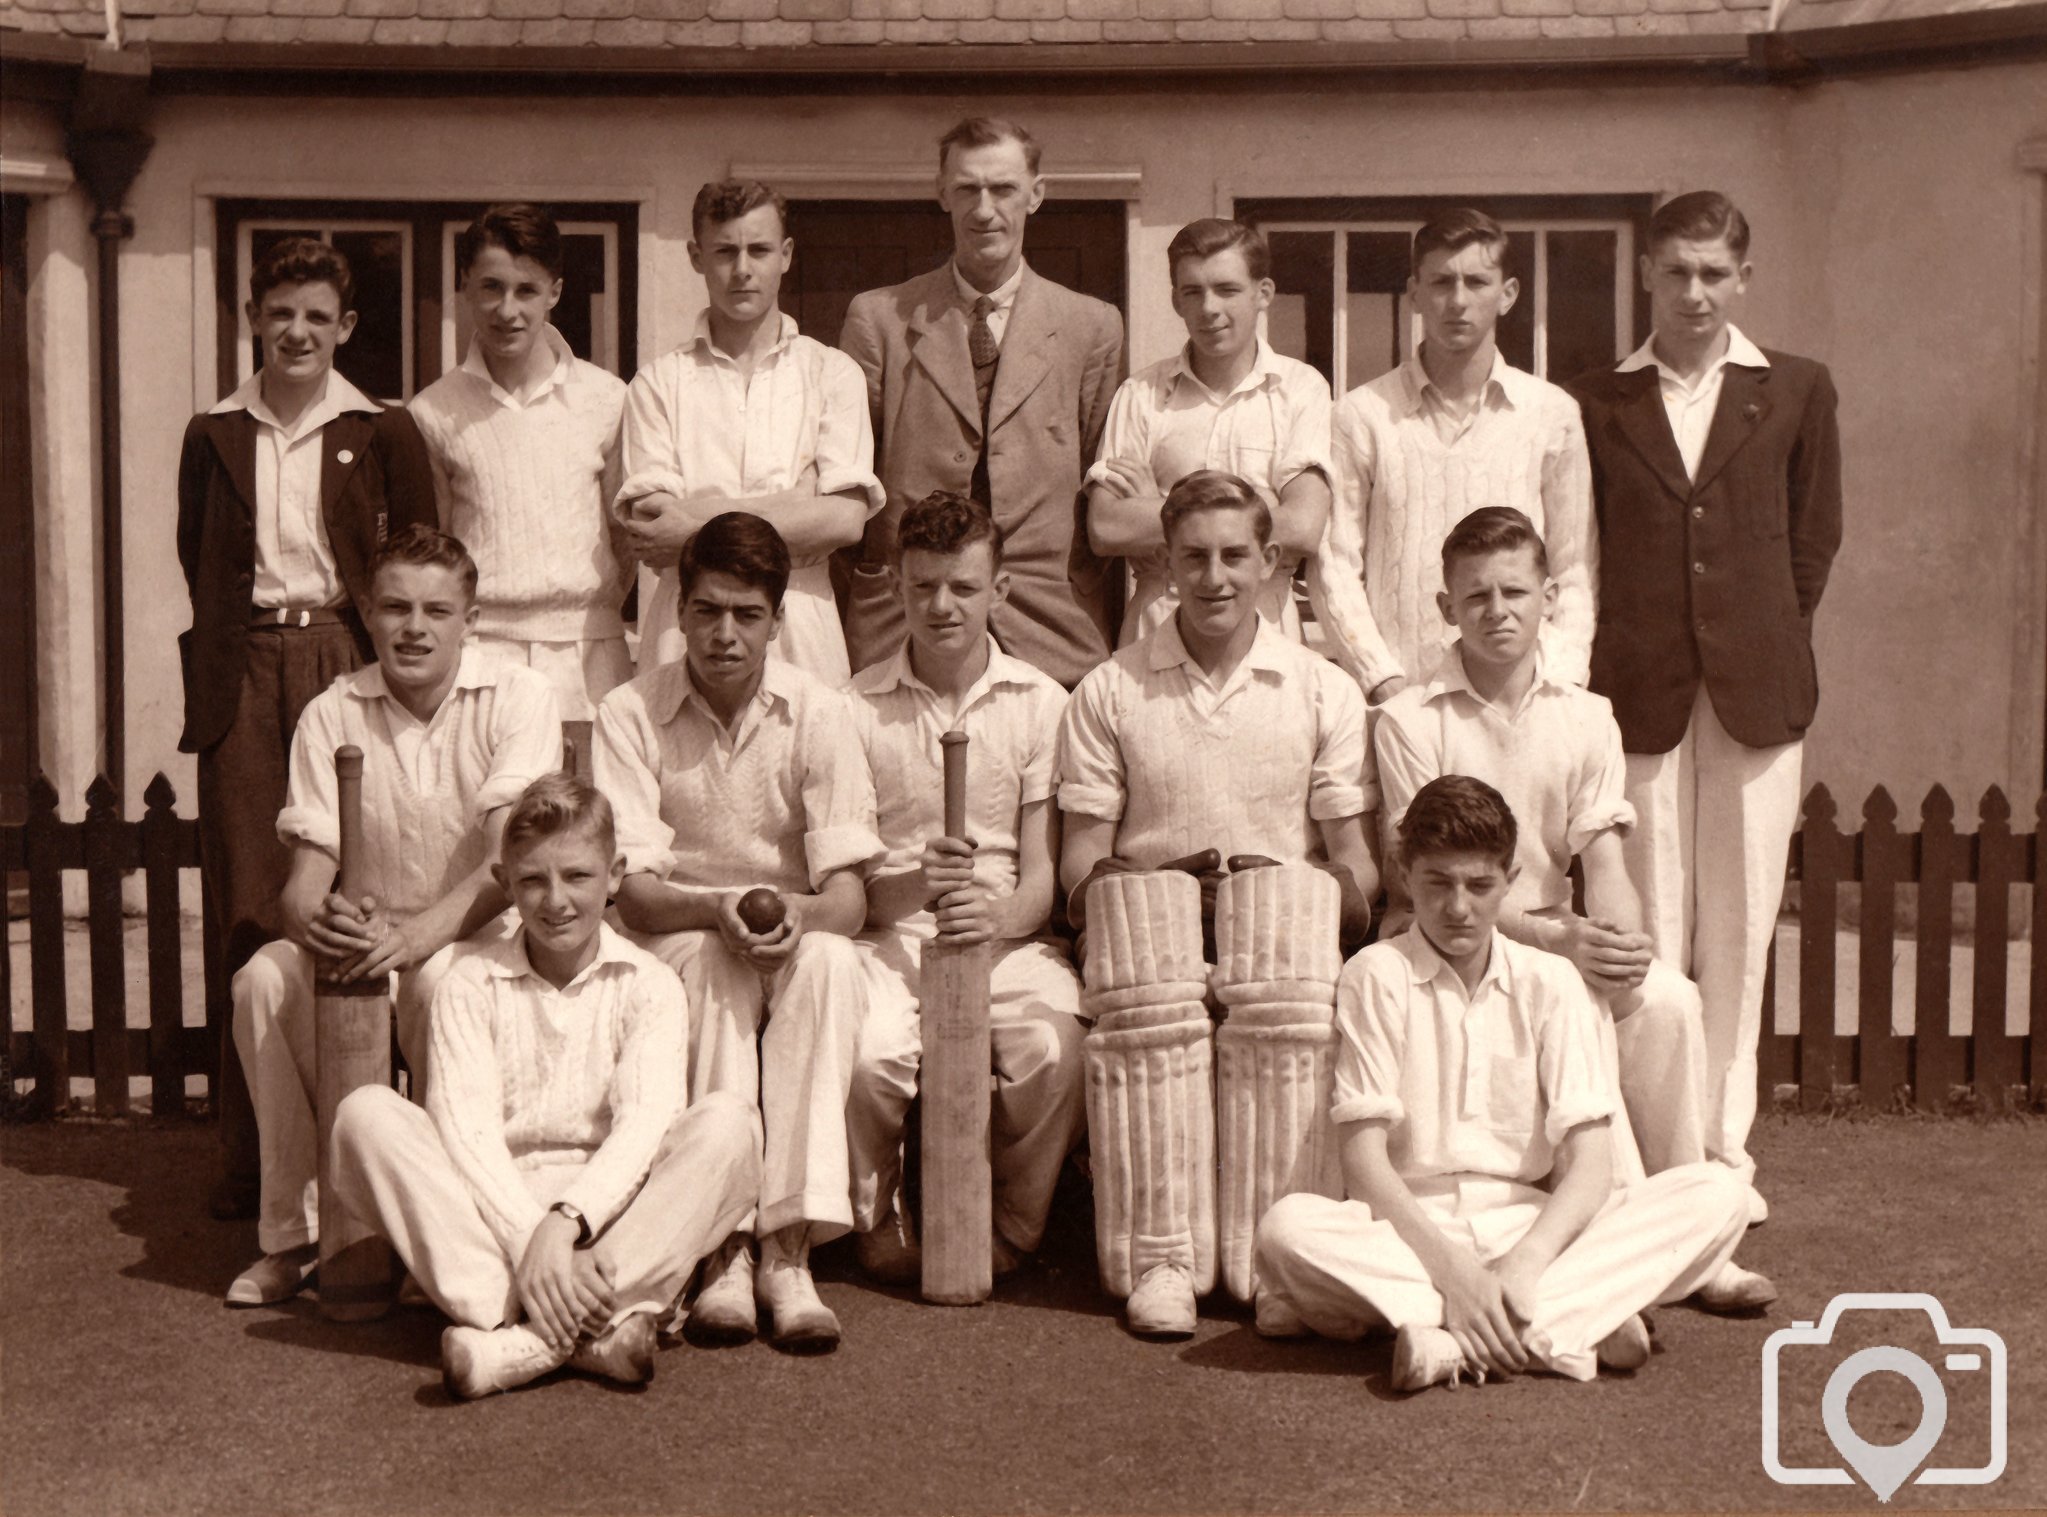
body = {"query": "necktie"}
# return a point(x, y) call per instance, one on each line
point(982, 349)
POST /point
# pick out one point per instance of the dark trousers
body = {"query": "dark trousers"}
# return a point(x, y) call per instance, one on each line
point(241, 789)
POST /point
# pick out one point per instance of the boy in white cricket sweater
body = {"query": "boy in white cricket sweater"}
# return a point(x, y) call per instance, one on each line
point(1224, 401)
point(449, 739)
point(1480, 1218)
point(555, 1194)
point(749, 415)
point(1454, 428)
point(524, 441)
point(998, 886)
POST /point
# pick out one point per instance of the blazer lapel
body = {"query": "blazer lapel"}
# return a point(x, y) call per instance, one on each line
point(234, 439)
point(938, 345)
point(343, 442)
point(1744, 403)
point(1646, 425)
point(1027, 345)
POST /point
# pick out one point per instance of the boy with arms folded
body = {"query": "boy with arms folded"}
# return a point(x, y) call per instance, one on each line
point(1468, 1077)
point(1495, 712)
point(555, 1175)
point(449, 739)
point(997, 886)
point(732, 771)
point(1224, 401)
point(749, 415)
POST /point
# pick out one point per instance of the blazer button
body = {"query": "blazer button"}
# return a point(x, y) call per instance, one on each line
point(1698, 511)
point(1698, 568)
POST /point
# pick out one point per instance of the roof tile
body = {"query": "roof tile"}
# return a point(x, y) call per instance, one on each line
point(1650, 24)
point(409, 31)
point(1102, 10)
point(1536, 7)
point(483, 31)
point(774, 33)
point(597, 9)
point(1502, 28)
point(233, 7)
point(673, 10)
point(1066, 30)
point(992, 31)
point(262, 29)
point(1213, 31)
point(820, 10)
point(949, 10)
point(703, 34)
point(920, 31)
point(346, 29)
point(1285, 31)
point(1035, 10)
point(558, 31)
point(452, 10)
point(383, 7)
point(1464, 9)
point(1245, 10)
point(1357, 30)
point(1390, 10)
point(1319, 10)
point(302, 7)
point(524, 10)
point(1137, 31)
point(83, 23)
point(630, 31)
point(863, 32)
point(1432, 29)
point(1172, 10)
point(1624, 7)
point(134, 8)
point(1577, 26)
point(193, 28)
point(743, 10)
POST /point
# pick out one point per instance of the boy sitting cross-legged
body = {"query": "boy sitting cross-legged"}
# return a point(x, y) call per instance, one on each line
point(555, 1194)
point(1468, 1078)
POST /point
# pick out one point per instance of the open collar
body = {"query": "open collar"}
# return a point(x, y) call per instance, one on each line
point(674, 689)
point(1264, 371)
point(337, 399)
point(476, 671)
point(561, 376)
point(512, 962)
point(1740, 351)
point(786, 332)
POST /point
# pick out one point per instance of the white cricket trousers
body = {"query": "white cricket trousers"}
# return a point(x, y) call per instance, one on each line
point(1040, 1104)
point(797, 1069)
point(396, 1177)
point(1659, 1063)
point(1713, 825)
point(273, 1028)
point(1654, 1241)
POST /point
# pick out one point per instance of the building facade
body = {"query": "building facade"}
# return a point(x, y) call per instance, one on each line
point(1891, 157)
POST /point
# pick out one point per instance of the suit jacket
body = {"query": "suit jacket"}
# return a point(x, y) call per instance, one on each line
point(1062, 358)
point(1715, 579)
point(375, 479)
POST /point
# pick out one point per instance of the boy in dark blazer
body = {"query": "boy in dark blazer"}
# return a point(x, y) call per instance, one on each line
point(1716, 470)
point(987, 380)
point(284, 490)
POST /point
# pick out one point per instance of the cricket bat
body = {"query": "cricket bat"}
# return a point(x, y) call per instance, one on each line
point(953, 995)
point(351, 1047)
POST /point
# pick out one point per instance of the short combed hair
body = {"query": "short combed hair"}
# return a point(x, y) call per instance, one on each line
point(1211, 235)
point(726, 200)
point(948, 522)
point(524, 231)
point(558, 803)
point(1213, 490)
point(421, 544)
point(303, 260)
point(988, 131)
point(1458, 228)
point(741, 545)
point(1701, 216)
point(1455, 813)
point(1493, 529)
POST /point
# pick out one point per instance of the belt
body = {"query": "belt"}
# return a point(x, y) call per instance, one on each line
point(280, 618)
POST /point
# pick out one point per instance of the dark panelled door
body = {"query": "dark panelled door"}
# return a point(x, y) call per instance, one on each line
point(846, 246)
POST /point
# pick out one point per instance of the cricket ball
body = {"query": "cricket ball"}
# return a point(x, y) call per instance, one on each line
point(762, 910)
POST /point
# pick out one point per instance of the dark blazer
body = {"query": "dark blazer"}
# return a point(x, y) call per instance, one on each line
point(375, 479)
point(1062, 358)
point(1715, 580)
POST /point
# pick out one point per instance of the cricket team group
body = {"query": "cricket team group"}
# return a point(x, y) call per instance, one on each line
point(1285, 942)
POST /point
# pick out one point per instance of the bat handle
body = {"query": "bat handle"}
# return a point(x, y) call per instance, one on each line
point(954, 746)
point(348, 798)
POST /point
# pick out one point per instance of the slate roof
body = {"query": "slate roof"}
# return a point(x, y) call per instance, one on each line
point(746, 24)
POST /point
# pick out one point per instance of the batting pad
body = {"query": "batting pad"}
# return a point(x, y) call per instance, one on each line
point(1143, 930)
point(1277, 924)
point(1275, 1063)
point(1151, 1125)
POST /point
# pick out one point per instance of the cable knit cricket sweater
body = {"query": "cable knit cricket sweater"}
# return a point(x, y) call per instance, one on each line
point(529, 1077)
point(1400, 489)
point(528, 490)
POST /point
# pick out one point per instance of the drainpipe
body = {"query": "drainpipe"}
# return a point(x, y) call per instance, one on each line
point(107, 146)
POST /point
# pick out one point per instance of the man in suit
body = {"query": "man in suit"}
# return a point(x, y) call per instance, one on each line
point(1716, 471)
point(285, 488)
point(989, 381)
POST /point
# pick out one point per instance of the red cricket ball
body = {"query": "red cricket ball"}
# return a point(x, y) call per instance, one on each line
point(762, 910)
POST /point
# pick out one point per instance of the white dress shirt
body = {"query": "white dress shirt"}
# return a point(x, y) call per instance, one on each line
point(1004, 296)
point(1690, 404)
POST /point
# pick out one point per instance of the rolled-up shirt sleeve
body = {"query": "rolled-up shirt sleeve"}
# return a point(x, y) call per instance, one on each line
point(1599, 801)
point(625, 761)
point(845, 431)
point(649, 454)
point(1371, 1028)
point(1304, 443)
point(312, 799)
point(1567, 1058)
point(1126, 437)
point(1090, 762)
point(1343, 780)
point(839, 823)
point(1038, 775)
point(526, 737)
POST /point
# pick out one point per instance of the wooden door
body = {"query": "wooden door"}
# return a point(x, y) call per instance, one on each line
point(846, 246)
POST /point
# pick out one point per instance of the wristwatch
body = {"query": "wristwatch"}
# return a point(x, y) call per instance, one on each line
point(582, 1222)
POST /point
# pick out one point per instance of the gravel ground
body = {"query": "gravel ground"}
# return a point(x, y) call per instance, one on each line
point(126, 1387)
